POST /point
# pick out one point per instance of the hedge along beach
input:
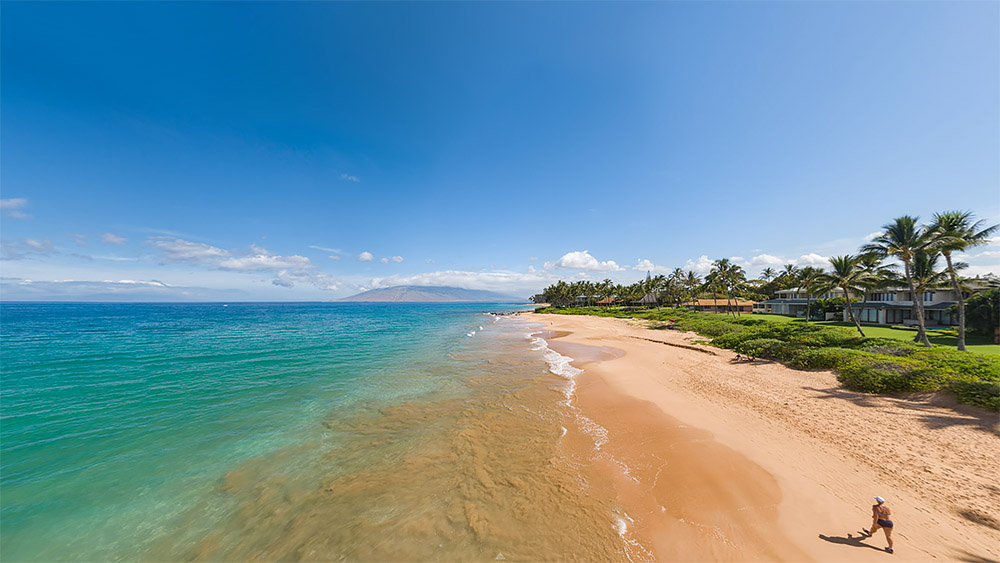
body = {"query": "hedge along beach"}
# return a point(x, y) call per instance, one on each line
point(722, 460)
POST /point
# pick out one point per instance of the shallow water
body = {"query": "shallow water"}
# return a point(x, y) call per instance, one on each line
point(294, 431)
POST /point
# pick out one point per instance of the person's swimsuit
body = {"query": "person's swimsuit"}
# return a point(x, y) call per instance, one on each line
point(884, 522)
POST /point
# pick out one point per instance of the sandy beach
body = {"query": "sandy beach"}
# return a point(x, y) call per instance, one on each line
point(714, 459)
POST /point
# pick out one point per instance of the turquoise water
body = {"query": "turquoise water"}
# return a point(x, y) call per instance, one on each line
point(127, 429)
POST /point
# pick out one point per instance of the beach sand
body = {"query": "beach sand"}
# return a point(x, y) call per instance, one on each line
point(713, 459)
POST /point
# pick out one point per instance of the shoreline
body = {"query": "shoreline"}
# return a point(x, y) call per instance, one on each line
point(779, 463)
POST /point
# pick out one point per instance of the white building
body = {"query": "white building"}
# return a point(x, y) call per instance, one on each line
point(895, 306)
point(792, 302)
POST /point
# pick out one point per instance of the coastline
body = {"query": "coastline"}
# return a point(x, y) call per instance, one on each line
point(736, 461)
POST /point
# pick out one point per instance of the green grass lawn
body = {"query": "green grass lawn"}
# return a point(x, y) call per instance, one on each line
point(973, 343)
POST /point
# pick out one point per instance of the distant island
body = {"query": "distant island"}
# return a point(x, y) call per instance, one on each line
point(430, 294)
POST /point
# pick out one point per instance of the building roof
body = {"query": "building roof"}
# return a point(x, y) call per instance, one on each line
point(721, 302)
point(885, 305)
point(648, 298)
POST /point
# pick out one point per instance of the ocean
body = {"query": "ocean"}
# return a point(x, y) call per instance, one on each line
point(294, 431)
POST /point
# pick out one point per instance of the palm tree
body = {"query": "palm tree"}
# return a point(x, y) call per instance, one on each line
point(606, 288)
point(846, 275)
point(728, 277)
point(903, 239)
point(692, 282)
point(790, 272)
point(712, 280)
point(809, 280)
point(677, 283)
point(735, 278)
point(768, 274)
point(955, 231)
point(926, 276)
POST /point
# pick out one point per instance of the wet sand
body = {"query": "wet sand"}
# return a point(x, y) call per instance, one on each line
point(714, 459)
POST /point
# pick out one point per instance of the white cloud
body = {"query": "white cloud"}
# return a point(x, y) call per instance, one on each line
point(12, 208)
point(735, 258)
point(288, 270)
point(79, 238)
point(582, 260)
point(112, 238)
point(502, 281)
point(766, 260)
point(334, 257)
point(111, 257)
point(350, 178)
point(261, 260)
point(812, 259)
point(326, 249)
point(13, 203)
point(873, 236)
point(431, 261)
point(643, 265)
point(109, 290)
point(44, 246)
point(701, 266)
point(385, 260)
point(366, 256)
point(179, 250)
point(397, 259)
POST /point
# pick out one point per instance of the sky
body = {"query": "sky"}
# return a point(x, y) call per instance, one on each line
point(308, 151)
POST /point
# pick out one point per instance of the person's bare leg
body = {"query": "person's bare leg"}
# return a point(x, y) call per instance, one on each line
point(875, 526)
point(888, 536)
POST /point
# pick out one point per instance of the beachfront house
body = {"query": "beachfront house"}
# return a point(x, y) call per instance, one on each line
point(721, 306)
point(608, 302)
point(895, 307)
point(648, 300)
point(792, 302)
point(889, 306)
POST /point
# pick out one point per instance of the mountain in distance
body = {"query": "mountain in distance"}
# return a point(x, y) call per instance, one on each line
point(430, 294)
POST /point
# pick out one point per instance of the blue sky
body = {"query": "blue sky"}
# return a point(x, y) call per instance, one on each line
point(263, 151)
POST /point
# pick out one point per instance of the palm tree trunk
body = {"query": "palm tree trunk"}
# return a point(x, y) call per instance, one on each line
point(808, 301)
point(961, 301)
point(918, 305)
point(850, 312)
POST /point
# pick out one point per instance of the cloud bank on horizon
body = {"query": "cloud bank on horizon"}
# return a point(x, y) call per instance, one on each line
point(245, 273)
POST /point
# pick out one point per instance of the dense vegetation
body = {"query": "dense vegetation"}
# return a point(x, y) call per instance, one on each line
point(915, 249)
point(871, 365)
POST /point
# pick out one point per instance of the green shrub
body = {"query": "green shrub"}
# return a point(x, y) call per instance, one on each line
point(984, 394)
point(768, 348)
point(967, 366)
point(826, 337)
point(749, 321)
point(732, 339)
point(710, 328)
point(823, 358)
point(886, 346)
point(874, 373)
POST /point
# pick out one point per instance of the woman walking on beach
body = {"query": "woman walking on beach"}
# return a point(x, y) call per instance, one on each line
point(880, 519)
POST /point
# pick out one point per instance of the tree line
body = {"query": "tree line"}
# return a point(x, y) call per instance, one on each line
point(918, 249)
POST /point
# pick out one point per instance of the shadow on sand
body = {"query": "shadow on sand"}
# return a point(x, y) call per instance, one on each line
point(927, 406)
point(851, 540)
